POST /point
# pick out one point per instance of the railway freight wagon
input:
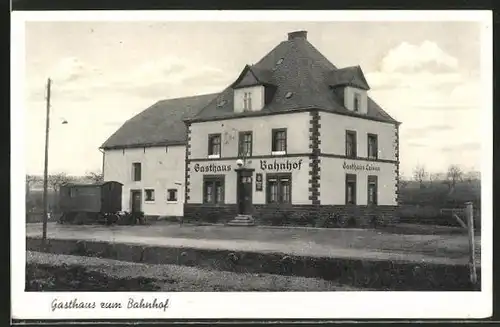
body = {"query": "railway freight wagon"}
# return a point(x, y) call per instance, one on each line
point(90, 203)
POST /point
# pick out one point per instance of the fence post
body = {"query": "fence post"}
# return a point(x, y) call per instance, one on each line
point(469, 213)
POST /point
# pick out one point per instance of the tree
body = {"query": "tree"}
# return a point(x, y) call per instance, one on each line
point(402, 182)
point(472, 176)
point(94, 177)
point(420, 174)
point(453, 176)
point(30, 180)
point(55, 181)
point(433, 177)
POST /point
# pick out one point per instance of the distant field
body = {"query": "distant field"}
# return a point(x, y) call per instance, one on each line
point(417, 205)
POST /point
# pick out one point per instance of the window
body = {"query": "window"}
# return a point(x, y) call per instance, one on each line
point(247, 101)
point(350, 144)
point(136, 171)
point(357, 102)
point(372, 146)
point(172, 195)
point(372, 190)
point(279, 188)
point(149, 195)
point(213, 190)
point(279, 141)
point(214, 145)
point(350, 189)
point(245, 144)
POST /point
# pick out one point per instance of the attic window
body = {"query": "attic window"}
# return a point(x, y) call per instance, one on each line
point(280, 60)
point(288, 95)
point(221, 103)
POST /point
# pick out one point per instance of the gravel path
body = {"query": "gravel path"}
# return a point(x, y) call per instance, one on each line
point(164, 277)
point(364, 244)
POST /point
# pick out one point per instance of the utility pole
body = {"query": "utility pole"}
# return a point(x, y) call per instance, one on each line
point(46, 163)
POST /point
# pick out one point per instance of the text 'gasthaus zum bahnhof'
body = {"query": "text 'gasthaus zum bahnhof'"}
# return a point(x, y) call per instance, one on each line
point(130, 303)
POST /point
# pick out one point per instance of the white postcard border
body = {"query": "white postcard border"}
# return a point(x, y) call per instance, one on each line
point(330, 305)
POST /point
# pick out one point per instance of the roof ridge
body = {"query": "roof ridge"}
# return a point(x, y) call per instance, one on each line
point(187, 97)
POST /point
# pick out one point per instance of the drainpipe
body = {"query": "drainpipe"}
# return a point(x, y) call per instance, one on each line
point(103, 156)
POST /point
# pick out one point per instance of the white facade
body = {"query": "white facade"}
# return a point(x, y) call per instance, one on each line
point(334, 127)
point(334, 168)
point(162, 168)
point(333, 179)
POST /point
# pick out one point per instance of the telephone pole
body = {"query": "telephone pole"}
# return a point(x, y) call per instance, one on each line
point(46, 163)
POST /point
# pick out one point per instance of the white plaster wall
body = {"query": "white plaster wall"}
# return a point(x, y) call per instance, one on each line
point(332, 186)
point(333, 129)
point(349, 98)
point(161, 170)
point(300, 180)
point(257, 98)
point(297, 125)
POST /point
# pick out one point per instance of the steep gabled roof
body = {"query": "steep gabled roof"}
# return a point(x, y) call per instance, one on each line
point(251, 76)
point(160, 124)
point(295, 66)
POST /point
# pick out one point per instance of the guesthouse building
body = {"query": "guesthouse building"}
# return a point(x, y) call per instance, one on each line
point(293, 140)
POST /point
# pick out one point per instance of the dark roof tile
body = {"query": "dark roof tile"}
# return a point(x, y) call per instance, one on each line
point(297, 66)
point(348, 76)
point(294, 66)
point(160, 124)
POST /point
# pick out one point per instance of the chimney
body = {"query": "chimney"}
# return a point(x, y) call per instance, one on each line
point(297, 35)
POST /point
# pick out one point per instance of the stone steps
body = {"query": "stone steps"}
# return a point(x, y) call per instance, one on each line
point(242, 220)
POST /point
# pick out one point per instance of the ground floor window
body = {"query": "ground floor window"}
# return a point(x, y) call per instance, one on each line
point(213, 189)
point(350, 189)
point(149, 195)
point(372, 189)
point(279, 188)
point(172, 195)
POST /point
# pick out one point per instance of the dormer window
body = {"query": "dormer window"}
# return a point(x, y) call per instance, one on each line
point(357, 102)
point(247, 101)
point(253, 89)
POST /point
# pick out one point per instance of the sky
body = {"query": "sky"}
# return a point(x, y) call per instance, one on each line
point(424, 74)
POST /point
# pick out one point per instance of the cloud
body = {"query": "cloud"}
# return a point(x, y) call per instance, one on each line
point(415, 80)
point(416, 67)
point(416, 145)
point(409, 58)
point(467, 146)
point(438, 102)
point(154, 80)
point(424, 131)
point(72, 69)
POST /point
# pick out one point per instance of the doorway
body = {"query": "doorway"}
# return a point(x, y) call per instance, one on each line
point(244, 191)
point(135, 201)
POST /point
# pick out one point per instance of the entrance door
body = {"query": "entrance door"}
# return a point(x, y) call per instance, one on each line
point(244, 190)
point(136, 200)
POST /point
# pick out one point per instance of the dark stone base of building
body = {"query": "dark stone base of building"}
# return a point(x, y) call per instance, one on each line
point(297, 215)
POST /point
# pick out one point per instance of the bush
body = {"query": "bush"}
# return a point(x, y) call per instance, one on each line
point(346, 221)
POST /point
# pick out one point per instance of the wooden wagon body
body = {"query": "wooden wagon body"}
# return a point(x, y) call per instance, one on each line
point(104, 197)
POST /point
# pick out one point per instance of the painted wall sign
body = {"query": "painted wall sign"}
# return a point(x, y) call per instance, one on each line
point(283, 166)
point(360, 167)
point(258, 182)
point(211, 168)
